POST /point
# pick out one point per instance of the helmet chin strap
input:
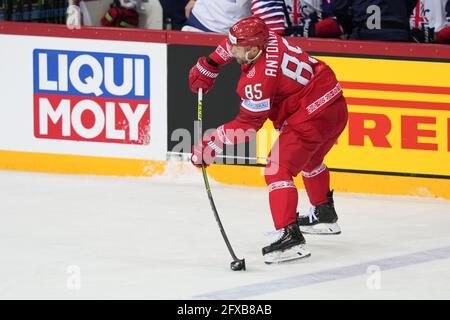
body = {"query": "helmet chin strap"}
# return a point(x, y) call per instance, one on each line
point(254, 58)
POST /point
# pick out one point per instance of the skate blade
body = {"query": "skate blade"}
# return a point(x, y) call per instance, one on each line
point(321, 228)
point(294, 253)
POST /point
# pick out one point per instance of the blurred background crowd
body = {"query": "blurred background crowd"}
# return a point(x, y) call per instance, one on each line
point(424, 21)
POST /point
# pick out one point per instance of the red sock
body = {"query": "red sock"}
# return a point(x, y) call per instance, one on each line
point(283, 196)
point(317, 184)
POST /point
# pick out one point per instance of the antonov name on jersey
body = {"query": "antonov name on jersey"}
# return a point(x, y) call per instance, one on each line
point(91, 96)
point(272, 54)
point(256, 106)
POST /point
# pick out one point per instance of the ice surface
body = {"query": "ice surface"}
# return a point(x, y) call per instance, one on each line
point(156, 238)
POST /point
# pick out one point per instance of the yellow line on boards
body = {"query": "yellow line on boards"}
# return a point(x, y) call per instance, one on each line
point(73, 164)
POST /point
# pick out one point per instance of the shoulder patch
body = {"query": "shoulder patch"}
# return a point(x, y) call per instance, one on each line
point(256, 106)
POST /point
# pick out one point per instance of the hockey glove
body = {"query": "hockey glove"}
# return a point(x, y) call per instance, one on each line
point(443, 36)
point(328, 28)
point(206, 152)
point(202, 75)
point(120, 17)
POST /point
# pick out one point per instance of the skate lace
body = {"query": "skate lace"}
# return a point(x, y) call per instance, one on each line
point(274, 236)
point(312, 214)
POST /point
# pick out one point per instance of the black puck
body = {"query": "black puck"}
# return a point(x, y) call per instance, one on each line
point(238, 265)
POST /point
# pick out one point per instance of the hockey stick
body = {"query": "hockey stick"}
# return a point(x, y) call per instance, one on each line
point(237, 264)
point(187, 156)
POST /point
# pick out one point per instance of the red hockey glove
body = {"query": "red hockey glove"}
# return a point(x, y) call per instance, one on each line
point(110, 18)
point(202, 75)
point(328, 28)
point(120, 17)
point(443, 36)
point(206, 152)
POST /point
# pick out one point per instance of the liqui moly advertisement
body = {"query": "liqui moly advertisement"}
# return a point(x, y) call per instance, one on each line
point(91, 96)
point(84, 97)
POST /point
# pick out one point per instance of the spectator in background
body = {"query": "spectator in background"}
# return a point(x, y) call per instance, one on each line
point(123, 13)
point(273, 12)
point(447, 10)
point(306, 18)
point(175, 10)
point(360, 18)
point(430, 21)
point(215, 16)
point(85, 16)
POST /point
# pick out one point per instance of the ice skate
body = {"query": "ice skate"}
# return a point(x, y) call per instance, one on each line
point(289, 246)
point(322, 219)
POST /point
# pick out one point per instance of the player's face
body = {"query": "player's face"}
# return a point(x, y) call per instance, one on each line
point(242, 54)
point(238, 53)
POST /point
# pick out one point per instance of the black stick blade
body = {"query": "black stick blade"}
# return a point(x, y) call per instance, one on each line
point(238, 265)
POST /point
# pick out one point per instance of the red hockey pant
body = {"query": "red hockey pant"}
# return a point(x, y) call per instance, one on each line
point(302, 148)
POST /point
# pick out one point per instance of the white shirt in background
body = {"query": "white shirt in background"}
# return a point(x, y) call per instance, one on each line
point(219, 15)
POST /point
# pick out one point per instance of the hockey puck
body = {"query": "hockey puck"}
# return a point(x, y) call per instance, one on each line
point(238, 265)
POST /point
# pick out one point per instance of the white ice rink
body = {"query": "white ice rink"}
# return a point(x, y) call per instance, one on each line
point(90, 237)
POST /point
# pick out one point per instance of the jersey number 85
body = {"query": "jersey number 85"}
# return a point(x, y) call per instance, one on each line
point(253, 92)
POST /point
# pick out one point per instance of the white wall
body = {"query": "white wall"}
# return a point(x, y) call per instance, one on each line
point(97, 9)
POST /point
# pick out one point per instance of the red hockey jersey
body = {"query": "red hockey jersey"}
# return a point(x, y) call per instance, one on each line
point(285, 84)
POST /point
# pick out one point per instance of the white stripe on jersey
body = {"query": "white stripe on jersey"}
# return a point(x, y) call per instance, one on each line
point(262, 10)
point(260, 3)
point(269, 15)
point(274, 21)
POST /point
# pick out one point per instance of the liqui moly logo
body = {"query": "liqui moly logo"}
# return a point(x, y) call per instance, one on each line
point(91, 96)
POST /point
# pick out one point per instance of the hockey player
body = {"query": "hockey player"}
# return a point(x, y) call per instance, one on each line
point(430, 21)
point(303, 99)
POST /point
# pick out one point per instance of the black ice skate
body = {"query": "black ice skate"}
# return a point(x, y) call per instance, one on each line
point(289, 246)
point(321, 219)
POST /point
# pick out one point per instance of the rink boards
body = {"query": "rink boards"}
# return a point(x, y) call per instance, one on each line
point(103, 101)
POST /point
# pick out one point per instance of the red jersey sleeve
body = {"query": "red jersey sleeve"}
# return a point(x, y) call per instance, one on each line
point(221, 56)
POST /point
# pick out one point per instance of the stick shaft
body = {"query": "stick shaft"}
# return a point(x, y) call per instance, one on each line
point(205, 179)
